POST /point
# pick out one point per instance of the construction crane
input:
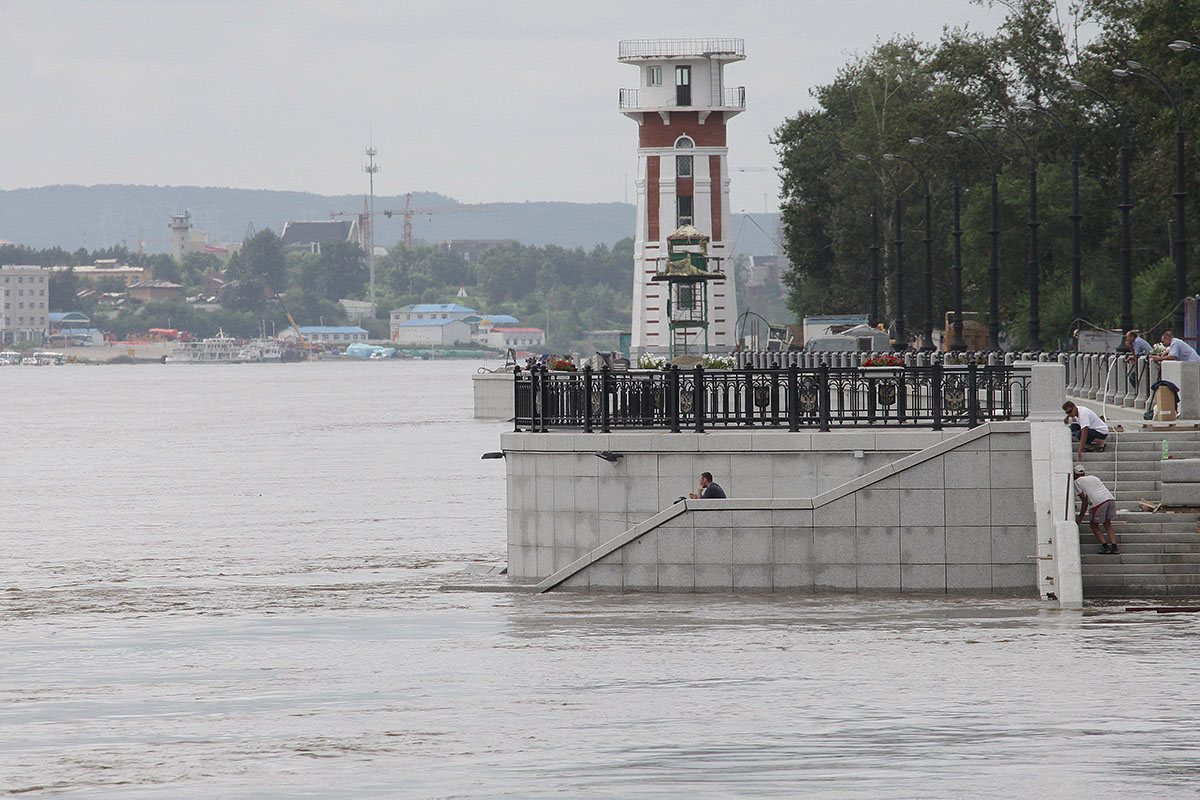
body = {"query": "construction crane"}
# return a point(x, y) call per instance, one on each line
point(407, 211)
point(304, 343)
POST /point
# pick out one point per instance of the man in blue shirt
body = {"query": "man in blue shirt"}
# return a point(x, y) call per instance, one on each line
point(1137, 345)
point(1177, 349)
point(708, 489)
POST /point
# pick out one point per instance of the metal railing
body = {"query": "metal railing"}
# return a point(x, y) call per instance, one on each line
point(731, 97)
point(679, 48)
point(793, 398)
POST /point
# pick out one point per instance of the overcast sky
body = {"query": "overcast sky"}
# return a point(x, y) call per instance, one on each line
point(481, 101)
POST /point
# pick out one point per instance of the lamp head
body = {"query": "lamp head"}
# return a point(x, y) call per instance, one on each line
point(889, 157)
point(1077, 86)
point(1179, 46)
point(1134, 65)
point(1121, 73)
point(989, 126)
point(916, 140)
point(1027, 105)
point(861, 157)
point(954, 134)
point(963, 130)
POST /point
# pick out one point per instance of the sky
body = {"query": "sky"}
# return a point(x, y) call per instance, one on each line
point(495, 101)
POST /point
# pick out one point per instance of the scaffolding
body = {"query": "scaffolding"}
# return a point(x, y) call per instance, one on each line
point(687, 273)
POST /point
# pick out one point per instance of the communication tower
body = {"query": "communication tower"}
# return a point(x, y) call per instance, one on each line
point(371, 168)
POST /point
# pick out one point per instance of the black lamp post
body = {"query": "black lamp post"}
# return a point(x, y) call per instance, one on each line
point(900, 339)
point(1179, 243)
point(994, 234)
point(956, 338)
point(1125, 206)
point(1035, 323)
point(873, 319)
point(1075, 216)
point(927, 321)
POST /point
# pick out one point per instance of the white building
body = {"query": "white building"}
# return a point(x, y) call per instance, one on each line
point(327, 334)
point(418, 311)
point(504, 338)
point(681, 107)
point(25, 315)
point(431, 332)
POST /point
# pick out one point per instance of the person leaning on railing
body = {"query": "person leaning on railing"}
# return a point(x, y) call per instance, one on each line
point(1177, 349)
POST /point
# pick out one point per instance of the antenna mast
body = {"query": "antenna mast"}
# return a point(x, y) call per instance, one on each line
point(371, 168)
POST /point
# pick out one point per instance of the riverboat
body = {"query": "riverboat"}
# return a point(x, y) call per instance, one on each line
point(219, 349)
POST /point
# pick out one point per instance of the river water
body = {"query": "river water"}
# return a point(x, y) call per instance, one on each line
point(223, 582)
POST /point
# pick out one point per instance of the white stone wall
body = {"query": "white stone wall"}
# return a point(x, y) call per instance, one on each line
point(957, 518)
point(493, 395)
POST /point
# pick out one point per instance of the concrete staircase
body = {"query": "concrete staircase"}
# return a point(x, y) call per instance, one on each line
point(1160, 552)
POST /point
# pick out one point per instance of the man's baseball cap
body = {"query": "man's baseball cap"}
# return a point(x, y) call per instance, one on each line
point(1079, 469)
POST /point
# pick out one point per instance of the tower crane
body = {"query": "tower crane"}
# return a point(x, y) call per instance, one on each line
point(407, 211)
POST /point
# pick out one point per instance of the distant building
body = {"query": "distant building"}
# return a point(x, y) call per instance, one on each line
point(470, 249)
point(431, 332)
point(818, 327)
point(504, 338)
point(327, 334)
point(356, 309)
point(765, 271)
point(417, 311)
point(308, 236)
point(156, 291)
point(68, 320)
point(25, 297)
point(185, 240)
point(107, 268)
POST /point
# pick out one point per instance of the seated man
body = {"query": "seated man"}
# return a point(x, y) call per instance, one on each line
point(1087, 427)
point(708, 489)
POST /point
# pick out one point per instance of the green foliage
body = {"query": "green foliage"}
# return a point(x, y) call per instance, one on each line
point(904, 88)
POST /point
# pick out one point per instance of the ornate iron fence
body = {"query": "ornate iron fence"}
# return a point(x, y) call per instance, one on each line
point(823, 398)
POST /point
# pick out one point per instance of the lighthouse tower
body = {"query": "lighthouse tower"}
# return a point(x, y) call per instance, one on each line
point(681, 107)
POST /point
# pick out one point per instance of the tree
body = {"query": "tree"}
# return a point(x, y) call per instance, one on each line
point(343, 270)
point(63, 285)
point(261, 258)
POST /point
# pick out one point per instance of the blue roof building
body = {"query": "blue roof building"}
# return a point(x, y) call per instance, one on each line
point(328, 334)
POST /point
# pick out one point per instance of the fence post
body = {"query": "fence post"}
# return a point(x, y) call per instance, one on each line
point(673, 397)
point(604, 394)
point(972, 395)
point(823, 395)
point(545, 389)
point(517, 399)
point(748, 400)
point(587, 398)
point(698, 397)
point(793, 398)
point(936, 400)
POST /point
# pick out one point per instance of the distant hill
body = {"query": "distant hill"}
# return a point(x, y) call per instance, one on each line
point(100, 216)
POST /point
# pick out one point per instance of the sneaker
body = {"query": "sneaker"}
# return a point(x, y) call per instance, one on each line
point(1112, 550)
point(1104, 549)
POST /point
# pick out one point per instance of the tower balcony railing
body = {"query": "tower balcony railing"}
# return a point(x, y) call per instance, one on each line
point(733, 97)
point(680, 48)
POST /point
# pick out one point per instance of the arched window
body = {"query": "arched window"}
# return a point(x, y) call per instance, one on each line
point(684, 143)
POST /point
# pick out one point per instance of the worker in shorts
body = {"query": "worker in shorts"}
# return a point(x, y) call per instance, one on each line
point(1086, 428)
point(1095, 495)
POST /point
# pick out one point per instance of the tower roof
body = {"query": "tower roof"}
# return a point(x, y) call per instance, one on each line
point(632, 50)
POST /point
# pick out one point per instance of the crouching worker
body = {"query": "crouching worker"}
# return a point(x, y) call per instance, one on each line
point(1086, 427)
point(1095, 495)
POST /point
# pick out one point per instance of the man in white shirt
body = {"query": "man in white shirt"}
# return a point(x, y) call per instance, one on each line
point(1086, 426)
point(1177, 349)
point(1094, 494)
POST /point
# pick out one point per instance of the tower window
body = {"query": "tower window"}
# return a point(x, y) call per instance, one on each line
point(684, 143)
point(683, 205)
point(654, 76)
point(683, 166)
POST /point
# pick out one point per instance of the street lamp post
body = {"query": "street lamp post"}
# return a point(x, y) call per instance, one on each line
point(1125, 206)
point(1179, 242)
point(994, 234)
point(927, 321)
point(1075, 216)
point(1035, 324)
point(956, 337)
point(900, 339)
point(873, 319)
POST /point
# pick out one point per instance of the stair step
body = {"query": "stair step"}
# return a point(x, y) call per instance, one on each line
point(1129, 559)
point(1111, 569)
point(1147, 590)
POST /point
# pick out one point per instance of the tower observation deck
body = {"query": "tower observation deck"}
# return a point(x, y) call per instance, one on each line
point(681, 106)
